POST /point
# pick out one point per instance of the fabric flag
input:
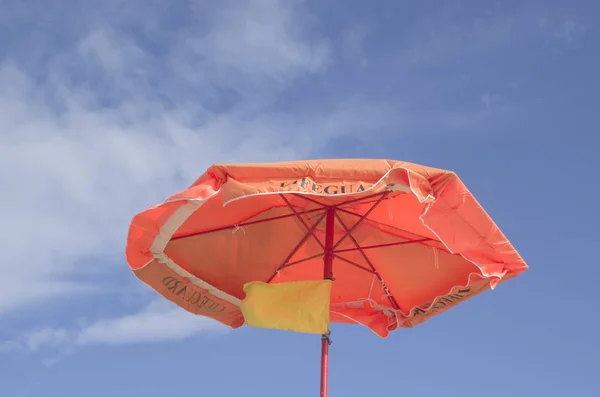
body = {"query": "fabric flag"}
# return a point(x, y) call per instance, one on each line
point(300, 306)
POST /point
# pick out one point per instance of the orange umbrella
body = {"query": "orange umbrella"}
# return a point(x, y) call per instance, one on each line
point(297, 245)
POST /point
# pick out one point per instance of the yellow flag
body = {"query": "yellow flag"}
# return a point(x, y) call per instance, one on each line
point(300, 306)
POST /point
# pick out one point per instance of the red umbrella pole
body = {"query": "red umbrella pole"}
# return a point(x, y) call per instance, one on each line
point(327, 275)
point(324, 363)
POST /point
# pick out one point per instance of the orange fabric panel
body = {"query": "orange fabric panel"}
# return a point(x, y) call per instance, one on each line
point(466, 228)
point(228, 259)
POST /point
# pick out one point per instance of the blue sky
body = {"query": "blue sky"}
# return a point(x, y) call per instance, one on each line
point(107, 107)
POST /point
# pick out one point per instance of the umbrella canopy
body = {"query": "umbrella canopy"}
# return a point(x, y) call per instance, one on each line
point(397, 243)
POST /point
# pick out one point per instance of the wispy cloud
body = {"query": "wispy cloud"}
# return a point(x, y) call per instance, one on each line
point(112, 117)
point(160, 321)
point(34, 340)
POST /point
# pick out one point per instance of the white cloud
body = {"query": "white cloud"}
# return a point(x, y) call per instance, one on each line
point(160, 321)
point(45, 337)
point(262, 40)
point(127, 108)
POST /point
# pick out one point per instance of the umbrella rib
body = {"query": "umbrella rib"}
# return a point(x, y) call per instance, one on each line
point(366, 258)
point(248, 223)
point(288, 264)
point(312, 200)
point(353, 264)
point(367, 247)
point(311, 231)
point(382, 223)
point(362, 218)
point(300, 243)
point(385, 193)
point(420, 239)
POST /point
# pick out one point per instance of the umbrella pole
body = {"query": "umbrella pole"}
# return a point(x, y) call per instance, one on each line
point(324, 363)
point(327, 275)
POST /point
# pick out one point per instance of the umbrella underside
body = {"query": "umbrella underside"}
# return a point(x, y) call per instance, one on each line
point(403, 247)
